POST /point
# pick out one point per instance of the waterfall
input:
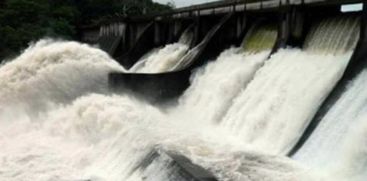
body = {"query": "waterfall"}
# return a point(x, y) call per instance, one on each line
point(221, 80)
point(163, 59)
point(333, 35)
point(260, 37)
point(237, 120)
point(339, 136)
point(274, 109)
point(160, 60)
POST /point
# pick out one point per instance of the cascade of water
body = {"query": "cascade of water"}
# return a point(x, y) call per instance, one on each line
point(163, 59)
point(272, 112)
point(187, 36)
point(337, 138)
point(261, 37)
point(218, 82)
point(107, 137)
point(256, 34)
point(334, 35)
point(69, 142)
point(221, 80)
point(105, 134)
point(352, 163)
point(140, 64)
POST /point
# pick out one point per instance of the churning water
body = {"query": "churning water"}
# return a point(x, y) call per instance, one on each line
point(338, 144)
point(47, 74)
point(232, 70)
point(54, 72)
point(161, 60)
point(221, 80)
point(164, 59)
point(274, 109)
point(241, 115)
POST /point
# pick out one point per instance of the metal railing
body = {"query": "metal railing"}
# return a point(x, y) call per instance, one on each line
point(231, 5)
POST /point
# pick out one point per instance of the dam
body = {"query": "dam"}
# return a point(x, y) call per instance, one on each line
point(235, 90)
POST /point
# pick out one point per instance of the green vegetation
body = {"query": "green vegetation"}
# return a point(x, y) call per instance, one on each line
point(23, 21)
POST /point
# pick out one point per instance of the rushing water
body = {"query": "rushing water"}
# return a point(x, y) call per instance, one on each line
point(164, 59)
point(274, 109)
point(47, 74)
point(54, 72)
point(221, 80)
point(261, 37)
point(161, 60)
point(338, 142)
point(58, 122)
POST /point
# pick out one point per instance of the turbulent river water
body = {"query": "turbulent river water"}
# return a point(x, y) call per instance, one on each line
point(239, 118)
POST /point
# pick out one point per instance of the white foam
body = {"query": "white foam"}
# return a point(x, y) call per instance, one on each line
point(336, 147)
point(103, 137)
point(161, 60)
point(219, 82)
point(54, 71)
point(274, 109)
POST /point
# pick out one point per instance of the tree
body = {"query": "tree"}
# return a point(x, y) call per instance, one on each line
point(22, 21)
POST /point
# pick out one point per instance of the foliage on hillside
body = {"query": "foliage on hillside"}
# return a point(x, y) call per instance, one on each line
point(23, 21)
